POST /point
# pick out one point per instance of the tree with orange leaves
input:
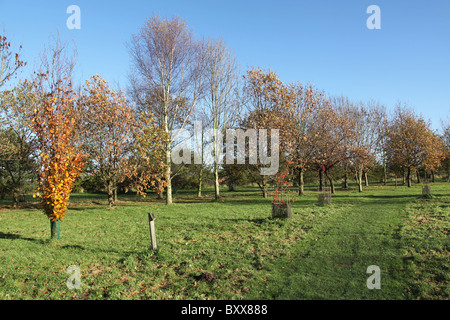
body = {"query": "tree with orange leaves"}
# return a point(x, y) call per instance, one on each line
point(412, 144)
point(60, 160)
point(106, 126)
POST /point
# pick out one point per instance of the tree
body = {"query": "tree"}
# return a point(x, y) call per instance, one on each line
point(269, 107)
point(55, 122)
point(167, 77)
point(106, 132)
point(146, 167)
point(333, 129)
point(60, 160)
point(221, 85)
point(365, 137)
point(411, 143)
point(18, 145)
point(309, 118)
point(57, 63)
point(10, 62)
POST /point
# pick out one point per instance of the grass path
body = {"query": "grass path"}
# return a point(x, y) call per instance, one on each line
point(332, 263)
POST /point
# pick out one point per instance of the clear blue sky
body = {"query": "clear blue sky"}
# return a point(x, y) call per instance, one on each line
point(325, 42)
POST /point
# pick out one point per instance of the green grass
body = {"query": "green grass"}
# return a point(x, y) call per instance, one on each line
point(321, 253)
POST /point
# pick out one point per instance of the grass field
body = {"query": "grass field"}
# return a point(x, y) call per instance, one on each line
point(232, 249)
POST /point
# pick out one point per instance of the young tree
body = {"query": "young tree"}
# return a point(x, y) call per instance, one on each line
point(55, 121)
point(167, 76)
point(106, 131)
point(60, 160)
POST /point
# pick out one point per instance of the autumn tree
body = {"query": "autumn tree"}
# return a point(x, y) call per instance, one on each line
point(18, 145)
point(411, 143)
point(106, 132)
point(365, 138)
point(60, 160)
point(332, 129)
point(55, 122)
point(268, 103)
point(167, 77)
point(146, 165)
point(309, 124)
point(10, 64)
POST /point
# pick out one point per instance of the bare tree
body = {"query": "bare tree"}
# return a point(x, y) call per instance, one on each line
point(166, 76)
point(9, 62)
point(57, 61)
point(220, 99)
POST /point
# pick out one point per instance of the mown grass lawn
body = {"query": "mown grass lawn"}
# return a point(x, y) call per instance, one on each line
point(232, 249)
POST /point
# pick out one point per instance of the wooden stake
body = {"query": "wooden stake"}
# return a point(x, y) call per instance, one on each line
point(151, 219)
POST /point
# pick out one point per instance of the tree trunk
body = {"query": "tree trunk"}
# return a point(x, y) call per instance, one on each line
point(320, 180)
point(385, 174)
point(200, 182)
point(55, 230)
point(418, 176)
point(115, 190)
point(301, 182)
point(359, 178)
point(330, 178)
point(408, 177)
point(346, 180)
point(432, 176)
point(109, 190)
point(168, 149)
point(264, 187)
point(168, 178)
point(15, 199)
point(216, 182)
point(366, 179)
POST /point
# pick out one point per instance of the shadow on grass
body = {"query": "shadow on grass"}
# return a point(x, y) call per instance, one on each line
point(13, 236)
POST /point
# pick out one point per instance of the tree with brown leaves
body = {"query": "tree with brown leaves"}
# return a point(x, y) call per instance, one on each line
point(269, 106)
point(106, 129)
point(412, 144)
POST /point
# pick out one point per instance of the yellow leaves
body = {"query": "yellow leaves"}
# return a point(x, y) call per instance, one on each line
point(54, 124)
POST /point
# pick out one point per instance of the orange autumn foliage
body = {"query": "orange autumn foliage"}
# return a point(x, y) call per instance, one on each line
point(60, 162)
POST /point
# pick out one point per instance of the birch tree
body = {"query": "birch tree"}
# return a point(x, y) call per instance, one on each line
point(166, 76)
point(221, 87)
